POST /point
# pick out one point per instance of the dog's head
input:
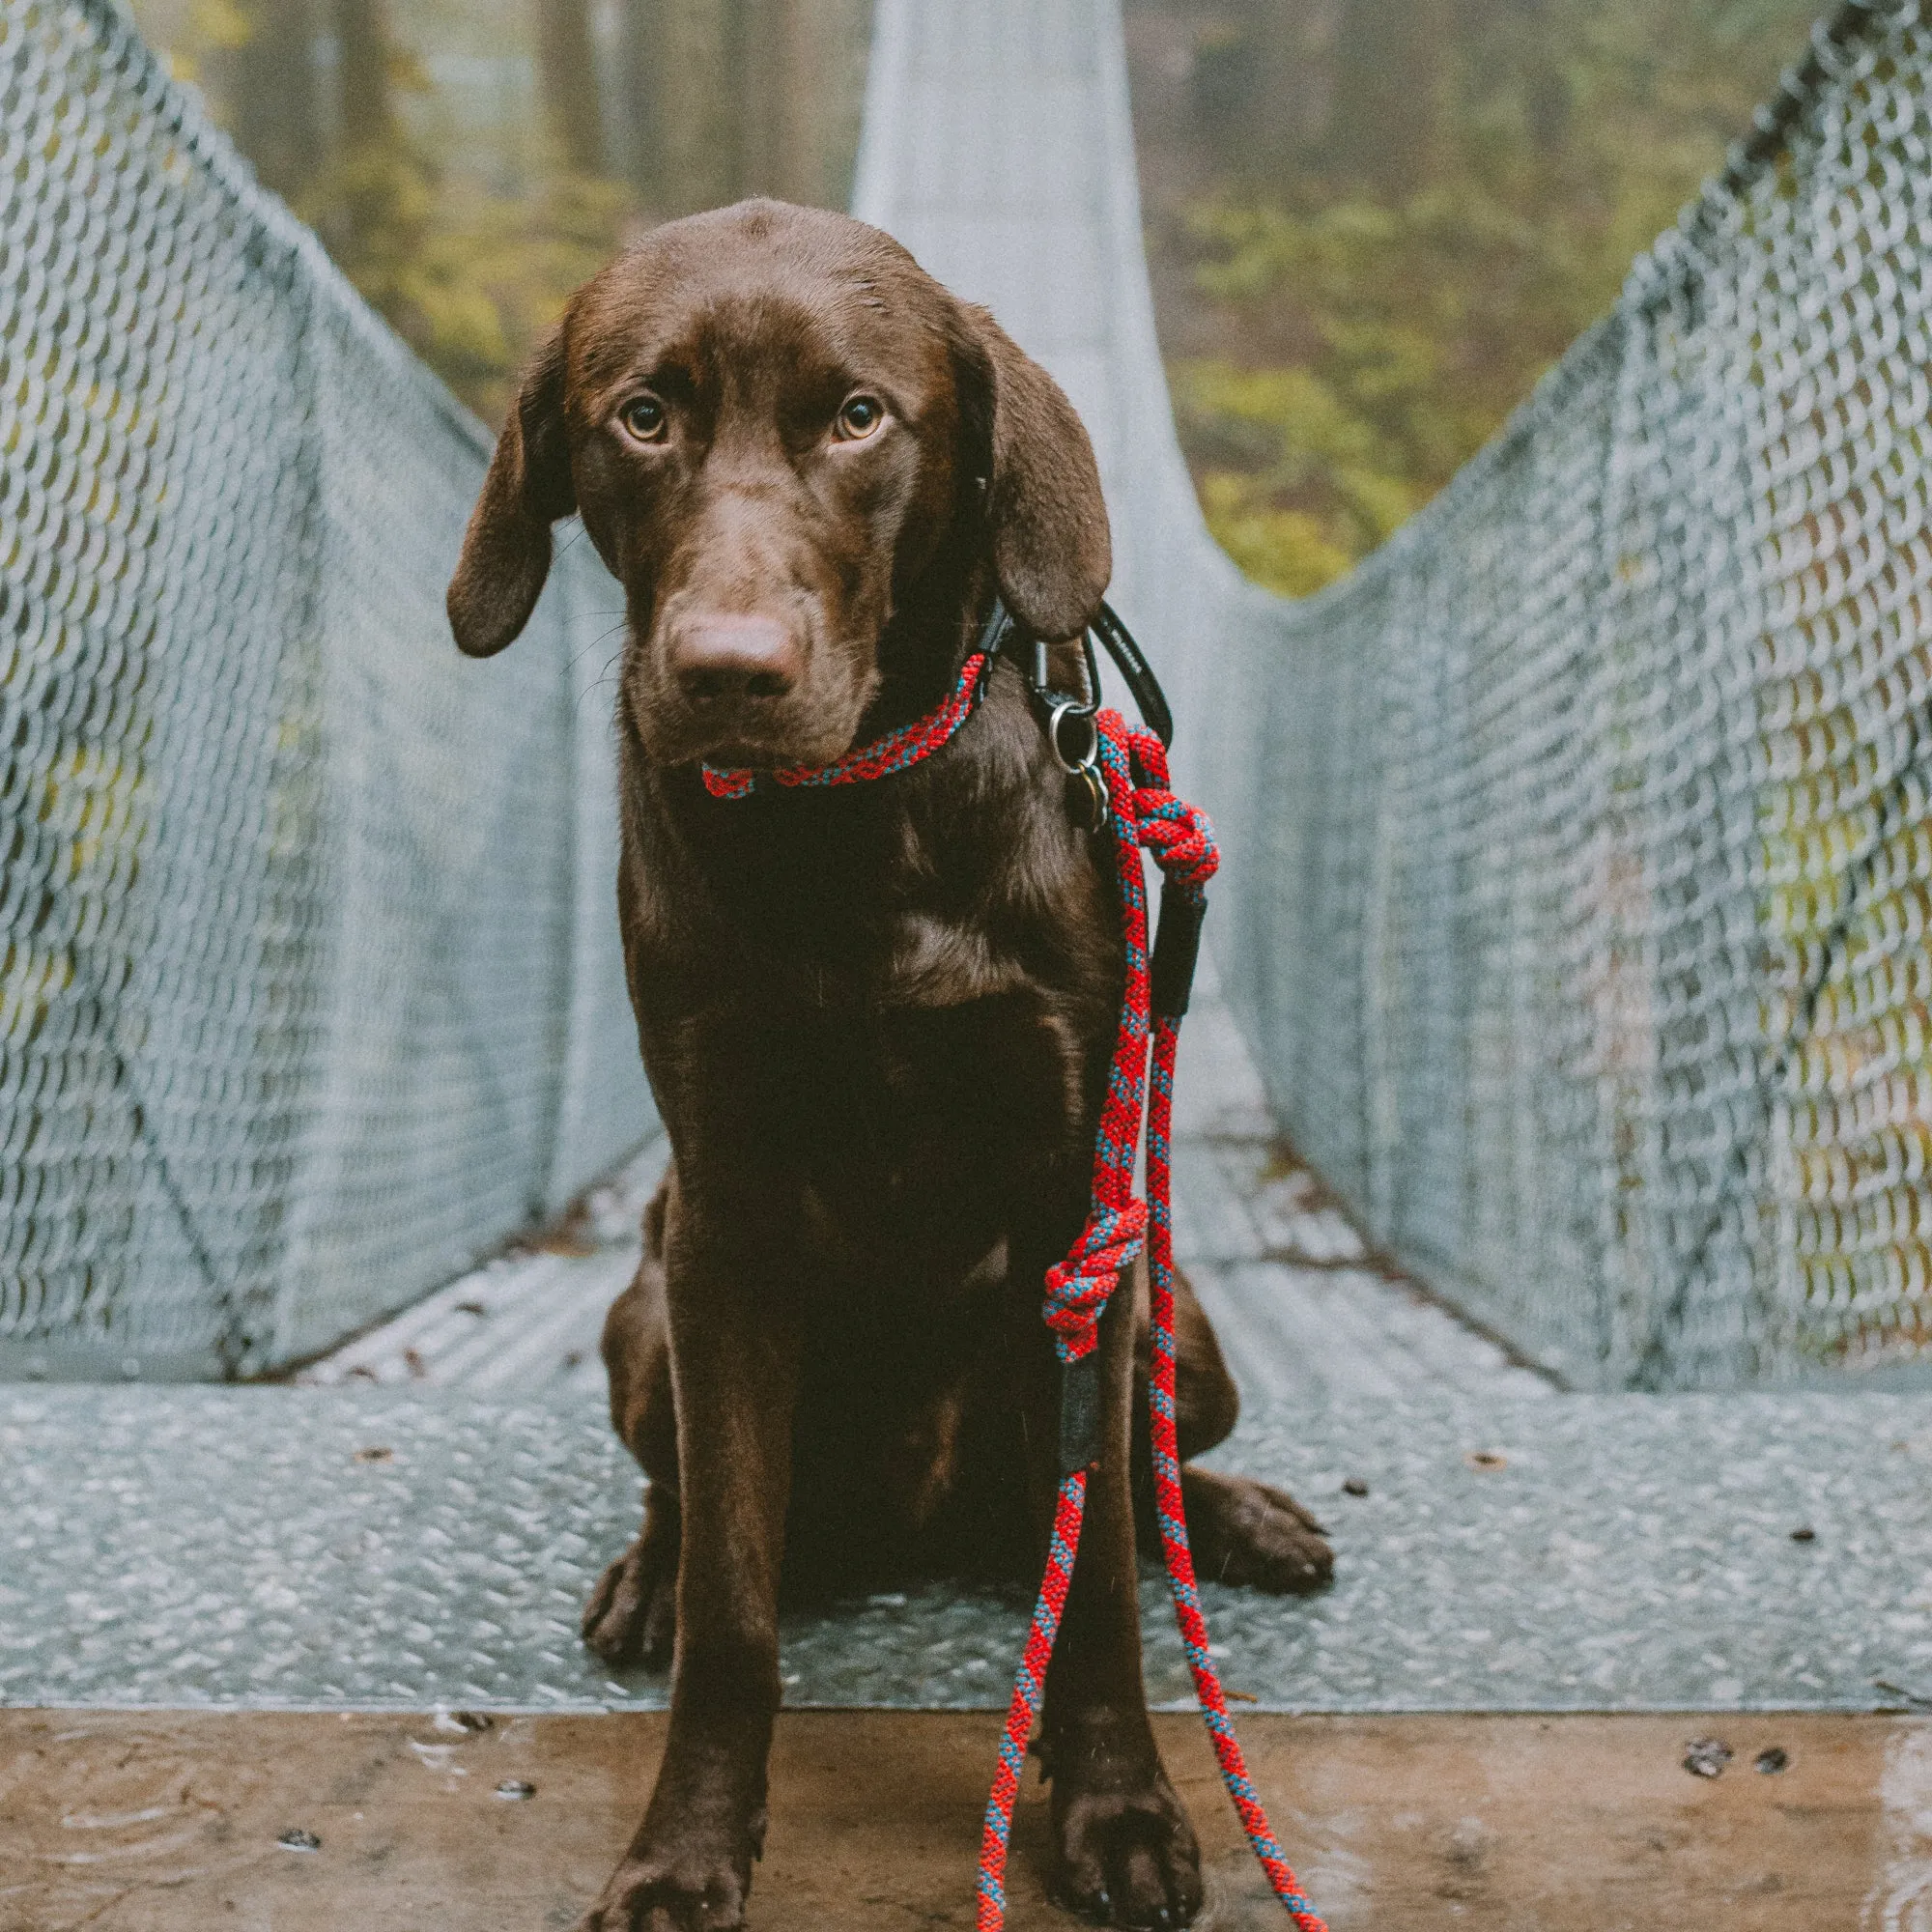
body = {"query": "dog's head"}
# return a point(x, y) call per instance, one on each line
point(779, 429)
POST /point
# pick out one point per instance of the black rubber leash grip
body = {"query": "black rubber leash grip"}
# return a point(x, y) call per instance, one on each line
point(1176, 951)
point(1080, 1413)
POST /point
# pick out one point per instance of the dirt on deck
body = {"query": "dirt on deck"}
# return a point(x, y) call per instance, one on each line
point(166, 1822)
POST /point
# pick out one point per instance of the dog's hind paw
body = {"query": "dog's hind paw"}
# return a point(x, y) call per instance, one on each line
point(1126, 1858)
point(645, 1896)
point(1245, 1532)
point(631, 1615)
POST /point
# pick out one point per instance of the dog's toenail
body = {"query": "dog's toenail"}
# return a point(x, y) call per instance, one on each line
point(299, 1840)
point(515, 1789)
point(1354, 1487)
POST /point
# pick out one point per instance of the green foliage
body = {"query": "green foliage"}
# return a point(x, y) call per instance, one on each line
point(1370, 344)
point(468, 242)
point(469, 277)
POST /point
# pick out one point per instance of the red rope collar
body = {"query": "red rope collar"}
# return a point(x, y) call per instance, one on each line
point(1144, 811)
point(894, 752)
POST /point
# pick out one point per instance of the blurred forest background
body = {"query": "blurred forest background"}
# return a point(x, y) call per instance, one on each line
point(1371, 223)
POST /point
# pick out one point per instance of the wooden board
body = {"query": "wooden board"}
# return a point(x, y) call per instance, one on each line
point(170, 1822)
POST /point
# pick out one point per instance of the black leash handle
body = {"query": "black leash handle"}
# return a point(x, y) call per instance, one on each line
point(1002, 629)
point(1148, 699)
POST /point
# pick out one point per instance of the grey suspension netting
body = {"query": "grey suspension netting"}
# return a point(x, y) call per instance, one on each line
point(1579, 846)
point(310, 988)
point(1581, 841)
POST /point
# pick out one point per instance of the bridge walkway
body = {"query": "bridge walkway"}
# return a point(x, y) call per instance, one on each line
point(1499, 1548)
point(1305, 1312)
point(183, 1569)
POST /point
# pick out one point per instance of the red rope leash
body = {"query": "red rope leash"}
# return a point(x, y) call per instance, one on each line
point(1145, 811)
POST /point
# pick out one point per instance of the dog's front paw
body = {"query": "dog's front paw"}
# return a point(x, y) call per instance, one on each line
point(673, 1893)
point(631, 1615)
point(1245, 1532)
point(1125, 1857)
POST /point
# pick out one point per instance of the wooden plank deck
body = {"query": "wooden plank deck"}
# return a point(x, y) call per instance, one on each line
point(147, 1822)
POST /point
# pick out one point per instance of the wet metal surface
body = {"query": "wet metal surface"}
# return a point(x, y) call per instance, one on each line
point(245, 1547)
point(279, 1822)
point(528, 1320)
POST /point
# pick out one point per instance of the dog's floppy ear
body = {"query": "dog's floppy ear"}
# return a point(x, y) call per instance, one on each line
point(1046, 519)
point(506, 549)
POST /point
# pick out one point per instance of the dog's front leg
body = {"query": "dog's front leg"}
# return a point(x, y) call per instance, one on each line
point(732, 1281)
point(1123, 1848)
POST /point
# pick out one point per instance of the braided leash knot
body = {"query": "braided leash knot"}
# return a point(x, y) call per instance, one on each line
point(1077, 1289)
point(1179, 834)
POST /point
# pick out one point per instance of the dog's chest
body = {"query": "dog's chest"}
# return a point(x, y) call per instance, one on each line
point(947, 1073)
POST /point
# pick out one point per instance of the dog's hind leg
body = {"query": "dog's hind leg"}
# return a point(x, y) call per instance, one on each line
point(1240, 1531)
point(631, 1615)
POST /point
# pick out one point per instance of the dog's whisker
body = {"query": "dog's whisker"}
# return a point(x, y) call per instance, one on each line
point(598, 682)
point(602, 638)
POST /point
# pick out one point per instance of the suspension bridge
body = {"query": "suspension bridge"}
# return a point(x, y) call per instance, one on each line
point(1573, 934)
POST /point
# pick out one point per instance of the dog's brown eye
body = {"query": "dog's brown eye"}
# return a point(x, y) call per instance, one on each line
point(861, 417)
point(643, 418)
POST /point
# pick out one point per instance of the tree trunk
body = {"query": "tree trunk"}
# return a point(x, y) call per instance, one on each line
point(274, 108)
point(681, 77)
point(1285, 87)
point(567, 67)
point(1546, 86)
point(368, 106)
point(638, 122)
point(727, 98)
point(763, 32)
point(1390, 63)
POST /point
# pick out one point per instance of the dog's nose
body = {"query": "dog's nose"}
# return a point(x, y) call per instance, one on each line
point(724, 657)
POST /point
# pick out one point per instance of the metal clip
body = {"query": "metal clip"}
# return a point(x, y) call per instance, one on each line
point(1087, 798)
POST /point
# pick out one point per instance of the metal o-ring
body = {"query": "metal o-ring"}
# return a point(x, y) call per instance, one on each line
point(1069, 707)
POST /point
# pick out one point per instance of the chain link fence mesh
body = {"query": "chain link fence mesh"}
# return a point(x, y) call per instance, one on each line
point(1581, 840)
point(1579, 844)
point(310, 976)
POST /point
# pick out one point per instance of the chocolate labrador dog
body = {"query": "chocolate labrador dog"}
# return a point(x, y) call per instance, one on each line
point(877, 1018)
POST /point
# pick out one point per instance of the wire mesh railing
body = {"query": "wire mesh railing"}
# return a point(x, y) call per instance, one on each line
point(1582, 839)
point(1579, 844)
point(310, 976)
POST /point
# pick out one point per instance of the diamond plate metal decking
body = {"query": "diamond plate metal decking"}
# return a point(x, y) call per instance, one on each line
point(376, 1549)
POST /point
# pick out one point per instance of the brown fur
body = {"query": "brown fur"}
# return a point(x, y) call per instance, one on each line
point(877, 1020)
